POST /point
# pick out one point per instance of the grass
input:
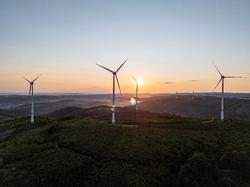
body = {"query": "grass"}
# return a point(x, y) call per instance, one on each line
point(159, 152)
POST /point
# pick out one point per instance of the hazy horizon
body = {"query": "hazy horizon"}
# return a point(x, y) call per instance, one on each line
point(118, 94)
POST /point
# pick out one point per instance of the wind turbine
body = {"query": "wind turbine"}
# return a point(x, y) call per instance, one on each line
point(31, 93)
point(136, 93)
point(223, 77)
point(115, 79)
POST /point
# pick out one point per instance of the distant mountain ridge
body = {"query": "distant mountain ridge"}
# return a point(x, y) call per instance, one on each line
point(198, 106)
point(185, 105)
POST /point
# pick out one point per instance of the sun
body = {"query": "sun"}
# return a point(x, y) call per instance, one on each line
point(140, 82)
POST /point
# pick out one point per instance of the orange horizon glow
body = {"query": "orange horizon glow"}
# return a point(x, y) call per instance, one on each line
point(77, 84)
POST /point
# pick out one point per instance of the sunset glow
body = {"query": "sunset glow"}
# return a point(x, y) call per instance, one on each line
point(171, 48)
point(140, 82)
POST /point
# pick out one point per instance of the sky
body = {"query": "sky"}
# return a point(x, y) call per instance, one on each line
point(170, 44)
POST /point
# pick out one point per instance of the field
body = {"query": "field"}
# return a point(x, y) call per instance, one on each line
point(156, 150)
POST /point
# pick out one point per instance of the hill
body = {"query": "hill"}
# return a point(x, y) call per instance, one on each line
point(205, 107)
point(7, 115)
point(48, 103)
point(87, 151)
point(124, 115)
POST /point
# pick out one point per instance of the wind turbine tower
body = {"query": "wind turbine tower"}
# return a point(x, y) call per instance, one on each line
point(115, 79)
point(31, 93)
point(136, 92)
point(223, 77)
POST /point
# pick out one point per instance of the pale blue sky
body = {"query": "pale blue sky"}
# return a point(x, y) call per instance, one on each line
point(164, 40)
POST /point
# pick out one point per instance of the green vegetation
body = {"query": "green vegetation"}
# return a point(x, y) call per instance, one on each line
point(87, 152)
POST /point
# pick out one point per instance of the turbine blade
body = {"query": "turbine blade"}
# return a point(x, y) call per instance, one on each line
point(121, 65)
point(105, 68)
point(117, 80)
point(26, 80)
point(217, 84)
point(36, 78)
point(234, 77)
point(218, 70)
point(30, 89)
point(134, 78)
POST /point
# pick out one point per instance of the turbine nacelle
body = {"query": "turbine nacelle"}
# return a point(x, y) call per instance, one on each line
point(225, 77)
point(31, 84)
point(115, 73)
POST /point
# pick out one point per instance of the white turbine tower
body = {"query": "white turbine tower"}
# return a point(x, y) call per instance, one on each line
point(115, 79)
point(136, 92)
point(31, 93)
point(222, 90)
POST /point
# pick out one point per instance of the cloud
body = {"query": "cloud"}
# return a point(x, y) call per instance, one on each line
point(167, 82)
point(194, 80)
